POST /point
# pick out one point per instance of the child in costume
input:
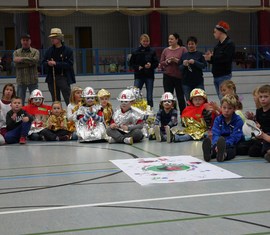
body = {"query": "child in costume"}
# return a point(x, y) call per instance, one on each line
point(227, 132)
point(196, 118)
point(40, 113)
point(7, 95)
point(75, 102)
point(90, 122)
point(106, 106)
point(18, 123)
point(166, 118)
point(127, 123)
point(56, 129)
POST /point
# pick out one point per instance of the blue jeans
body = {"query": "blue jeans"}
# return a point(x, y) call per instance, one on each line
point(188, 88)
point(149, 84)
point(21, 90)
point(182, 138)
point(218, 81)
point(14, 135)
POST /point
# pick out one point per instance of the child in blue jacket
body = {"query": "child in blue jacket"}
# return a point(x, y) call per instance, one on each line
point(227, 132)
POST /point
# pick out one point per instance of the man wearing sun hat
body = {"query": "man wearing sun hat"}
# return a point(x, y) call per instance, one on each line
point(26, 61)
point(223, 55)
point(58, 62)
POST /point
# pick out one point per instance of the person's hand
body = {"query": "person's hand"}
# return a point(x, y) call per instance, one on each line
point(25, 119)
point(174, 59)
point(191, 61)
point(148, 65)
point(51, 63)
point(250, 115)
point(140, 67)
point(124, 127)
point(113, 126)
point(185, 62)
point(14, 116)
point(17, 59)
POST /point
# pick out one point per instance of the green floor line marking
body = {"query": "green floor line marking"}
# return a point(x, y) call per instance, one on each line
point(151, 222)
point(145, 151)
point(58, 172)
point(47, 166)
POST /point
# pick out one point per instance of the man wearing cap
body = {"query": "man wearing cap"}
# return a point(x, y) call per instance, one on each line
point(222, 57)
point(26, 61)
point(58, 62)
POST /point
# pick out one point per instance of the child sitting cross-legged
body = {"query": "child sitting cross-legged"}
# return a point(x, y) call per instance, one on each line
point(196, 118)
point(226, 131)
point(126, 123)
point(56, 129)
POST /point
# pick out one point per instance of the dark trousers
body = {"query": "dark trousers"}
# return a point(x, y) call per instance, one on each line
point(119, 136)
point(149, 84)
point(170, 84)
point(230, 150)
point(258, 148)
point(61, 85)
point(51, 135)
point(13, 136)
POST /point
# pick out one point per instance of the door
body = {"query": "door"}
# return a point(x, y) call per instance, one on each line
point(85, 54)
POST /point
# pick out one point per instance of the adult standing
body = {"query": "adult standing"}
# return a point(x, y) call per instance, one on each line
point(144, 62)
point(192, 64)
point(169, 63)
point(222, 57)
point(58, 61)
point(26, 61)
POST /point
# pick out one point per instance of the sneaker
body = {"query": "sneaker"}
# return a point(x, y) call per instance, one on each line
point(22, 140)
point(128, 140)
point(157, 133)
point(111, 140)
point(221, 149)
point(267, 156)
point(168, 134)
point(64, 138)
point(207, 147)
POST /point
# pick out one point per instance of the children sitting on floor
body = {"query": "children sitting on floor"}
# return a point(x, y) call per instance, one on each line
point(127, 123)
point(40, 113)
point(90, 122)
point(226, 131)
point(56, 129)
point(18, 123)
point(195, 118)
point(166, 118)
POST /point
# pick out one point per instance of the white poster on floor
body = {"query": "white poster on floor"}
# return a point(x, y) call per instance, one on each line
point(171, 169)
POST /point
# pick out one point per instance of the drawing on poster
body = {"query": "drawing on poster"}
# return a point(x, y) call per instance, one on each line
point(171, 169)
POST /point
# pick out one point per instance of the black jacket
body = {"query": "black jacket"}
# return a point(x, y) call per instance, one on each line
point(65, 64)
point(140, 57)
point(222, 58)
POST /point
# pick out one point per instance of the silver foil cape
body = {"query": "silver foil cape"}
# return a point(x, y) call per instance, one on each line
point(131, 117)
point(91, 130)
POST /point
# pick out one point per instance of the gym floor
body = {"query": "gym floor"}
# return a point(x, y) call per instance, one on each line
point(73, 188)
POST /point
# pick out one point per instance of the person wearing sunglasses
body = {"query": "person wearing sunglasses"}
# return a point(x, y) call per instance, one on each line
point(166, 118)
point(127, 123)
point(40, 113)
point(89, 118)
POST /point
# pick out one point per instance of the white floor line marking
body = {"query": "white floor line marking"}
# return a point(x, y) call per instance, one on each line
point(134, 201)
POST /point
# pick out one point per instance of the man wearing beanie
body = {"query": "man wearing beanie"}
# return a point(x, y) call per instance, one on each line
point(222, 57)
point(58, 62)
point(26, 61)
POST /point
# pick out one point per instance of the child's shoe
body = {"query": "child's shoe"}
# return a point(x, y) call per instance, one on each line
point(221, 149)
point(157, 133)
point(110, 140)
point(22, 140)
point(168, 134)
point(64, 138)
point(2, 140)
point(207, 147)
point(267, 156)
point(128, 140)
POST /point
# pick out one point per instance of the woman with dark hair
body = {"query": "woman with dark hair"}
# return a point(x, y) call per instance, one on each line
point(169, 63)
